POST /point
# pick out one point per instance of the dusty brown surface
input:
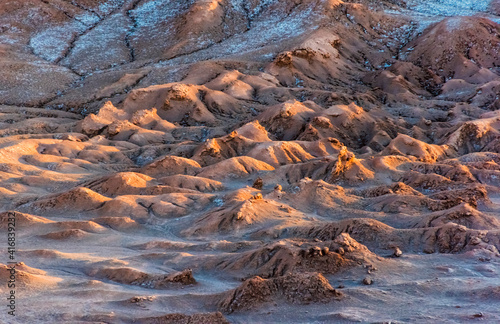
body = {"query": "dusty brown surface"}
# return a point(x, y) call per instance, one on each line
point(225, 161)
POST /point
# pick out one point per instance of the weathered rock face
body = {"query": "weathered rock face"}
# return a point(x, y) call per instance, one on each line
point(296, 289)
point(215, 161)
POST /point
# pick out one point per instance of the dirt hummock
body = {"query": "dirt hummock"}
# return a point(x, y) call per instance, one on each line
point(261, 161)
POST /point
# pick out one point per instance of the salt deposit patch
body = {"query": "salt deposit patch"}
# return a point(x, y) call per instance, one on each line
point(449, 7)
point(51, 43)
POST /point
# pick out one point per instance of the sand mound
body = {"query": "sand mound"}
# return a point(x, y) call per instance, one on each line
point(131, 183)
point(149, 119)
point(423, 79)
point(319, 196)
point(449, 169)
point(26, 277)
point(127, 207)
point(45, 253)
point(421, 181)
point(472, 195)
point(457, 90)
point(397, 188)
point(393, 85)
point(125, 183)
point(311, 61)
point(140, 127)
point(219, 149)
point(350, 124)
point(278, 259)
point(192, 183)
point(254, 131)
point(270, 261)
point(126, 131)
point(285, 121)
point(171, 165)
point(293, 152)
point(213, 318)
point(117, 223)
point(79, 199)
point(237, 167)
point(231, 83)
point(447, 238)
point(280, 153)
point(20, 220)
point(251, 214)
point(403, 204)
point(293, 288)
point(316, 169)
point(93, 124)
point(131, 276)
point(184, 104)
point(87, 226)
point(349, 170)
point(38, 123)
point(463, 214)
point(66, 235)
point(476, 136)
point(407, 146)
point(149, 208)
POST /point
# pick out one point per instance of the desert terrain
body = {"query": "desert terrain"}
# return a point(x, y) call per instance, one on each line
point(260, 161)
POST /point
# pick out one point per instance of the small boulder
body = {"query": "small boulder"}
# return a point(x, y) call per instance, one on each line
point(258, 184)
point(397, 252)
